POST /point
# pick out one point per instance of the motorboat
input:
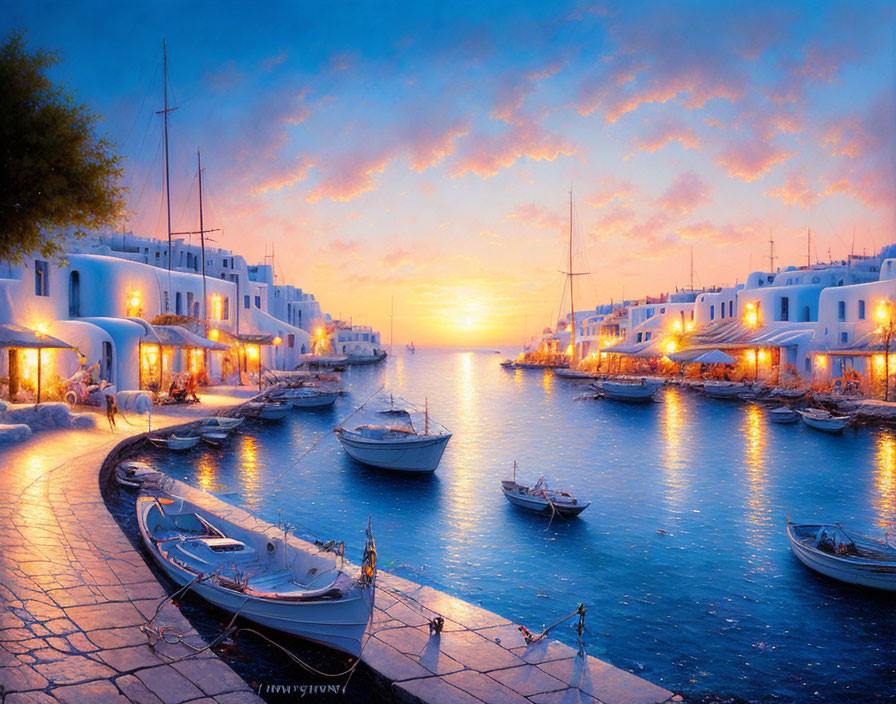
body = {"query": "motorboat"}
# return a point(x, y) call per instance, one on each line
point(134, 474)
point(574, 373)
point(541, 499)
point(635, 390)
point(822, 420)
point(509, 364)
point(726, 389)
point(783, 414)
point(180, 443)
point(399, 438)
point(267, 410)
point(844, 555)
point(221, 423)
point(259, 573)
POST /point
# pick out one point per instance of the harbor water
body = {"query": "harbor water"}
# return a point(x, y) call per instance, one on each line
point(682, 558)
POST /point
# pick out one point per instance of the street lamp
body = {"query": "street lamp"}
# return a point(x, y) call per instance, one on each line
point(886, 318)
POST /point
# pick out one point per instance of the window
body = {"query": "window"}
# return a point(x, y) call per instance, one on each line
point(74, 295)
point(785, 308)
point(106, 363)
point(226, 314)
point(246, 301)
point(291, 340)
point(841, 311)
point(647, 336)
point(722, 311)
point(808, 365)
point(41, 278)
point(844, 337)
point(178, 303)
point(190, 303)
point(861, 310)
point(165, 301)
point(712, 312)
point(640, 335)
point(730, 309)
point(258, 301)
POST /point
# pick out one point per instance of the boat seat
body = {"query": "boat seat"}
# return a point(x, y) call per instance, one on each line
point(268, 579)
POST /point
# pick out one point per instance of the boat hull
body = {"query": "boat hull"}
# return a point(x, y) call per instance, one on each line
point(631, 393)
point(421, 453)
point(783, 418)
point(533, 503)
point(861, 573)
point(316, 401)
point(725, 391)
point(828, 425)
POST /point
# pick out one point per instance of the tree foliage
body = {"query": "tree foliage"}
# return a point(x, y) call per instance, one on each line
point(55, 173)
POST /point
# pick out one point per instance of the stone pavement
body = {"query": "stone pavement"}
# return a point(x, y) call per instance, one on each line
point(73, 591)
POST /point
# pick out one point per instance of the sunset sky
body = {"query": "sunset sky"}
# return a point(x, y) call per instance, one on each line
point(426, 151)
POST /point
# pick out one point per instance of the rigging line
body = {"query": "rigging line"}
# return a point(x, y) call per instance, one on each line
point(324, 435)
point(149, 173)
point(142, 105)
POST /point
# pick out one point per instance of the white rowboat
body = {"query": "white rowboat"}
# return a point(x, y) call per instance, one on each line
point(725, 389)
point(845, 556)
point(541, 499)
point(783, 415)
point(638, 390)
point(133, 474)
point(268, 410)
point(258, 573)
point(180, 443)
point(822, 420)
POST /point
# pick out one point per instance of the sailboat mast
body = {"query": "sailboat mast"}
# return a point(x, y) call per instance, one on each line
point(167, 179)
point(202, 243)
point(572, 307)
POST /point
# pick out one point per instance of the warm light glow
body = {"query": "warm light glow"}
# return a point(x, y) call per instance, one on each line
point(217, 307)
point(42, 328)
point(278, 341)
point(252, 352)
point(133, 304)
point(885, 479)
point(197, 361)
point(762, 355)
point(28, 364)
point(670, 346)
point(569, 350)
point(882, 313)
point(751, 315)
point(689, 325)
point(677, 326)
point(821, 361)
point(213, 335)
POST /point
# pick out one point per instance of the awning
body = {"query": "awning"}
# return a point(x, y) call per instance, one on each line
point(176, 336)
point(18, 337)
point(714, 357)
point(627, 348)
point(260, 338)
point(868, 344)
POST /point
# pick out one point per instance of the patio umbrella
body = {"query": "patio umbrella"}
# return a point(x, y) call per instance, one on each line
point(18, 337)
point(714, 357)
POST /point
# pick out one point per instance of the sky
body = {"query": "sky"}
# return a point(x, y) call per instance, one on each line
point(420, 156)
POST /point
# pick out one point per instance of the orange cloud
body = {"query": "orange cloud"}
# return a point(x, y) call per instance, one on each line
point(538, 216)
point(612, 190)
point(750, 159)
point(795, 192)
point(662, 132)
point(685, 193)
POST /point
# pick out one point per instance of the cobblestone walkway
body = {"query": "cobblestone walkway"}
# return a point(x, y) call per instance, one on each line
point(73, 591)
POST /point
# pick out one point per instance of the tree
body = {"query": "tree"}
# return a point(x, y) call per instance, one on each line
point(55, 173)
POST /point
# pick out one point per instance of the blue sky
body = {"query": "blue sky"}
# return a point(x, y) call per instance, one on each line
point(426, 151)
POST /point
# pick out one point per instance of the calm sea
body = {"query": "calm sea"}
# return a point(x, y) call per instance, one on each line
point(682, 559)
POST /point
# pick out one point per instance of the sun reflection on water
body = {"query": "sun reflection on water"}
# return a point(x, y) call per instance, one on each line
point(885, 479)
point(755, 445)
point(466, 442)
point(673, 419)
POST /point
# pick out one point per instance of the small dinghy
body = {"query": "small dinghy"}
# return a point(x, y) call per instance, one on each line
point(725, 389)
point(221, 423)
point(541, 499)
point(822, 420)
point(574, 373)
point(509, 364)
point(844, 555)
point(267, 410)
point(783, 414)
point(267, 579)
point(179, 443)
point(215, 438)
point(631, 390)
point(134, 474)
point(307, 397)
point(392, 439)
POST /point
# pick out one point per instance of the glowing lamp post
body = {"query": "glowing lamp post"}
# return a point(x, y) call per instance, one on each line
point(886, 319)
point(751, 320)
point(133, 304)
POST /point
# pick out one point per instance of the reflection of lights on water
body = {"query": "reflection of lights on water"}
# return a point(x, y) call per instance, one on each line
point(672, 422)
point(399, 370)
point(885, 480)
point(463, 491)
point(206, 470)
point(547, 381)
point(757, 477)
point(249, 467)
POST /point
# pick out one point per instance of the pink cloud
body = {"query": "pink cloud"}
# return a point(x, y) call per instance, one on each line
point(538, 216)
point(350, 175)
point(663, 131)
point(718, 235)
point(485, 155)
point(428, 145)
point(614, 221)
point(612, 190)
point(278, 179)
point(685, 193)
point(750, 159)
point(795, 191)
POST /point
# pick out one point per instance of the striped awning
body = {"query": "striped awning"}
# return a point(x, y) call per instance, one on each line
point(176, 336)
point(15, 336)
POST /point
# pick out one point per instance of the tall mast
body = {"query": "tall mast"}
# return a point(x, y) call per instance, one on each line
point(572, 307)
point(202, 243)
point(771, 252)
point(808, 248)
point(167, 180)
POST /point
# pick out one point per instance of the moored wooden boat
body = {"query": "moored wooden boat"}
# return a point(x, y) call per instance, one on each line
point(725, 389)
point(224, 423)
point(267, 410)
point(822, 420)
point(844, 555)
point(179, 443)
point(307, 397)
point(258, 573)
point(215, 438)
point(541, 499)
point(134, 474)
point(634, 390)
point(574, 373)
point(783, 415)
